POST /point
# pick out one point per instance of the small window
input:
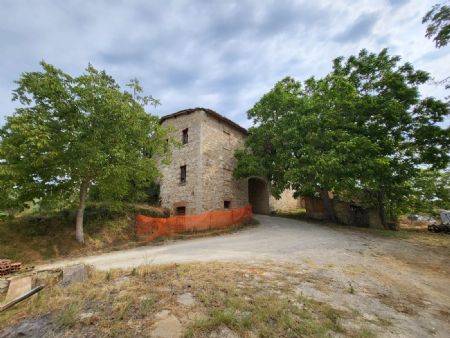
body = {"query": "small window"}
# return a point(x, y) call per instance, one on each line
point(183, 174)
point(166, 146)
point(227, 140)
point(226, 204)
point(185, 136)
point(181, 210)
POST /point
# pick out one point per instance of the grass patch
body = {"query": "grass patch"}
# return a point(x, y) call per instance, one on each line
point(32, 238)
point(269, 315)
point(68, 316)
point(246, 299)
point(421, 236)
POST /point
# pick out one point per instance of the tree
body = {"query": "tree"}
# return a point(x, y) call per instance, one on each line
point(438, 20)
point(362, 132)
point(73, 133)
point(430, 192)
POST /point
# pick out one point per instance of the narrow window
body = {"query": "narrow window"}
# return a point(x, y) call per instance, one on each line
point(181, 210)
point(166, 146)
point(185, 136)
point(226, 141)
point(183, 174)
point(226, 204)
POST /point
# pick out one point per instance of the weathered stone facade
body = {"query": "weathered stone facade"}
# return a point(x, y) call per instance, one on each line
point(208, 156)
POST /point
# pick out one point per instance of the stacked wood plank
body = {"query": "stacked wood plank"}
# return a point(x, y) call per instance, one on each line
point(7, 267)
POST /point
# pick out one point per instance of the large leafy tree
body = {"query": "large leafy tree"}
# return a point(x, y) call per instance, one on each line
point(73, 133)
point(430, 192)
point(438, 28)
point(401, 129)
point(438, 24)
point(363, 132)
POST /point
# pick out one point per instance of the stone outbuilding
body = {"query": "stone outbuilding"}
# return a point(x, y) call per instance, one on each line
point(200, 174)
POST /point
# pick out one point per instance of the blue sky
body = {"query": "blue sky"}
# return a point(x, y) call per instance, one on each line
point(222, 55)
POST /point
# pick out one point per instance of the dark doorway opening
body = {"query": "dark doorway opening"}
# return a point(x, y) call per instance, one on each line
point(258, 195)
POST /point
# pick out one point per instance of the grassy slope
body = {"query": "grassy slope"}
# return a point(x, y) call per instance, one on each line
point(31, 239)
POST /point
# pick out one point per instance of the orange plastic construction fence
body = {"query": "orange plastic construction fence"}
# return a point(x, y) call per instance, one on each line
point(152, 227)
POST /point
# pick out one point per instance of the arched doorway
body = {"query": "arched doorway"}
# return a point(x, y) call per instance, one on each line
point(258, 195)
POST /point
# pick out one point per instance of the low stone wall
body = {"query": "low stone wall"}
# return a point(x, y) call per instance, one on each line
point(346, 213)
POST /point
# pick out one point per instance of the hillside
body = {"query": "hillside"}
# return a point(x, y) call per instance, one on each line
point(35, 238)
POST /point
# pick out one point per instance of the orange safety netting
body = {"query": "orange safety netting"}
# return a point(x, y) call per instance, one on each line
point(152, 227)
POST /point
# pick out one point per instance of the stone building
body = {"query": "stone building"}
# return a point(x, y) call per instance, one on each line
point(200, 174)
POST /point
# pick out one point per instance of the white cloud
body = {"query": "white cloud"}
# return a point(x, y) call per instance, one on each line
point(221, 55)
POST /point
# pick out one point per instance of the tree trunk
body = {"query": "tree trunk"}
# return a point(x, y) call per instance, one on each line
point(327, 204)
point(382, 210)
point(79, 233)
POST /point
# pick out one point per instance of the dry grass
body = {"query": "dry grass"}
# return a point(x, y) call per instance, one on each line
point(249, 300)
point(34, 239)
point(28, 242)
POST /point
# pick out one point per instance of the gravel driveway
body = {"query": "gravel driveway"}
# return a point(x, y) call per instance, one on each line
point(275, 238)
point(399, 285)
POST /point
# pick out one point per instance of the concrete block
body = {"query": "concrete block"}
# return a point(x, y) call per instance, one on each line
point(74, 274)
point(17, 287)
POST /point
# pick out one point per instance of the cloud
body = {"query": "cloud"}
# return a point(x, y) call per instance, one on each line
point(398, 3)
point(359, 29)
point(222, 55)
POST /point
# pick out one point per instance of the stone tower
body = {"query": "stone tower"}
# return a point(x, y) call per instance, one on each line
point(200, 175)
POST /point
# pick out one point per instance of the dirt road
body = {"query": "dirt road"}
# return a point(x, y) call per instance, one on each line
point(275, 238)
point(402, 287)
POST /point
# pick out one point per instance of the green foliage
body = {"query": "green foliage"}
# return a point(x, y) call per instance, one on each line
point(76, 133)
point(430, 192)
point(363, 132)
point(438, 20)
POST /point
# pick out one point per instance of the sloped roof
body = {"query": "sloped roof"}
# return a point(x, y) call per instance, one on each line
point(209, 112)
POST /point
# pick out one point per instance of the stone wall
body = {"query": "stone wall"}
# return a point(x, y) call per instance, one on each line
point(219, 142)
point(346, 213)
point(209, 160)
point(173, 192)
point(285, 202)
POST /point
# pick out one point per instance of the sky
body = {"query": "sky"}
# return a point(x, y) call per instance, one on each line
point(222, 55)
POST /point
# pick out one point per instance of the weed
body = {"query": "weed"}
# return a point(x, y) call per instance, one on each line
point(350, 288)
point(69, 315)
point(147, 305)
point(364, 333)
point(120, 309)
